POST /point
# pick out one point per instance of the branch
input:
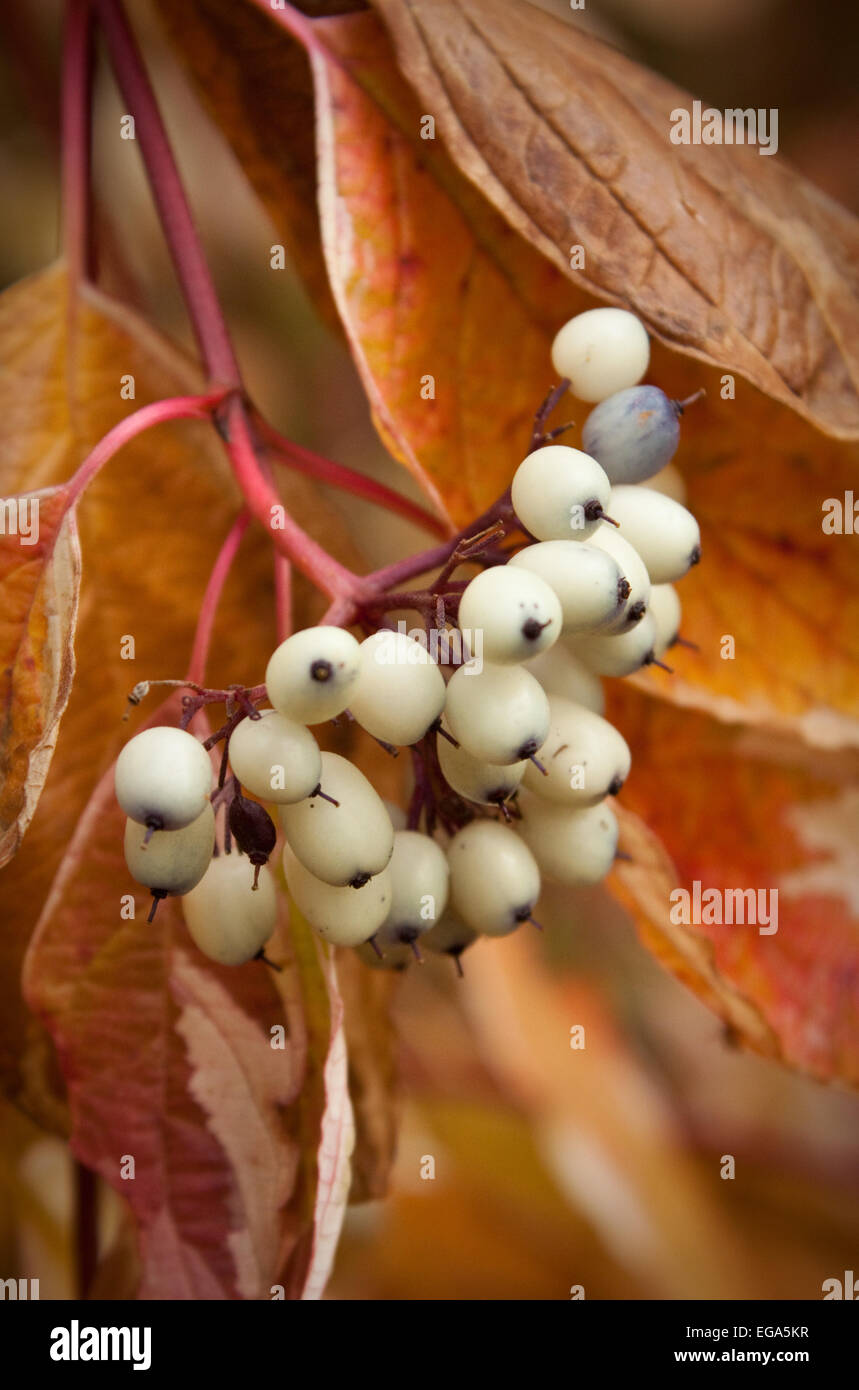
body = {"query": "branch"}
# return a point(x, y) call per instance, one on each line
point(175, 215)
point(173, 408)
point(337, 475)
point(211, 598)
point(312, 559)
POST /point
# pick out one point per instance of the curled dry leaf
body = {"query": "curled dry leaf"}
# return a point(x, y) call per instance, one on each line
point(40, 570)
point(722, 251)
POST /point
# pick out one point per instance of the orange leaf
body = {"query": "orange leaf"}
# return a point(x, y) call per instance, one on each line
point(740, 810)
point(39, 582)
point(786, 591)
point(447, 311)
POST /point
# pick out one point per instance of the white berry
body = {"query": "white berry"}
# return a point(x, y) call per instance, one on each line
point(664, 609)
point(163, 777)
point(346, 843)
point(229, 920)
point(310, 676)
point(275, 758)
point(420, 882)
point(620, 653)
point(570, 845)
point(590, 583)
point(494, 878)
point(489, 784)
point(499, 714)
point(342, 916)
point(560, 494)
point(514, 610)
point(584, 756)
point(665, 534)
point(560, 673)
point(171, 862)
point(400, 689)
point(609, 540)
point(601, 351)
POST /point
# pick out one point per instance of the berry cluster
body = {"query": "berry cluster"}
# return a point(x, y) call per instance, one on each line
point(513, 760)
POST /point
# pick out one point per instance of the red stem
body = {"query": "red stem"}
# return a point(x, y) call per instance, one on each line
point(391, 576)
point(181, 235)
point(321, 568)
point(205, 311)
point(337, 475)
point(76, 138)
point(211, 598)
point(173, 408)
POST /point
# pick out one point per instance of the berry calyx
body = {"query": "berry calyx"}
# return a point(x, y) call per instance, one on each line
point(253, 830)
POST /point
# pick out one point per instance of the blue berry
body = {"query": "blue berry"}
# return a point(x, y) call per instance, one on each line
point(633, 434)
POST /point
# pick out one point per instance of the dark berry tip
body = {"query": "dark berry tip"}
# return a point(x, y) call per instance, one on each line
point(624, 589)
point(321, 670)
point(359, 880)
point(531, 629)
point(615, 786)
point(636, 613)
point(527, 749)
point(695, 556)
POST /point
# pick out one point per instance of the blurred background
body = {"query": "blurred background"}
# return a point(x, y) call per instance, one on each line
point(553, 1167)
